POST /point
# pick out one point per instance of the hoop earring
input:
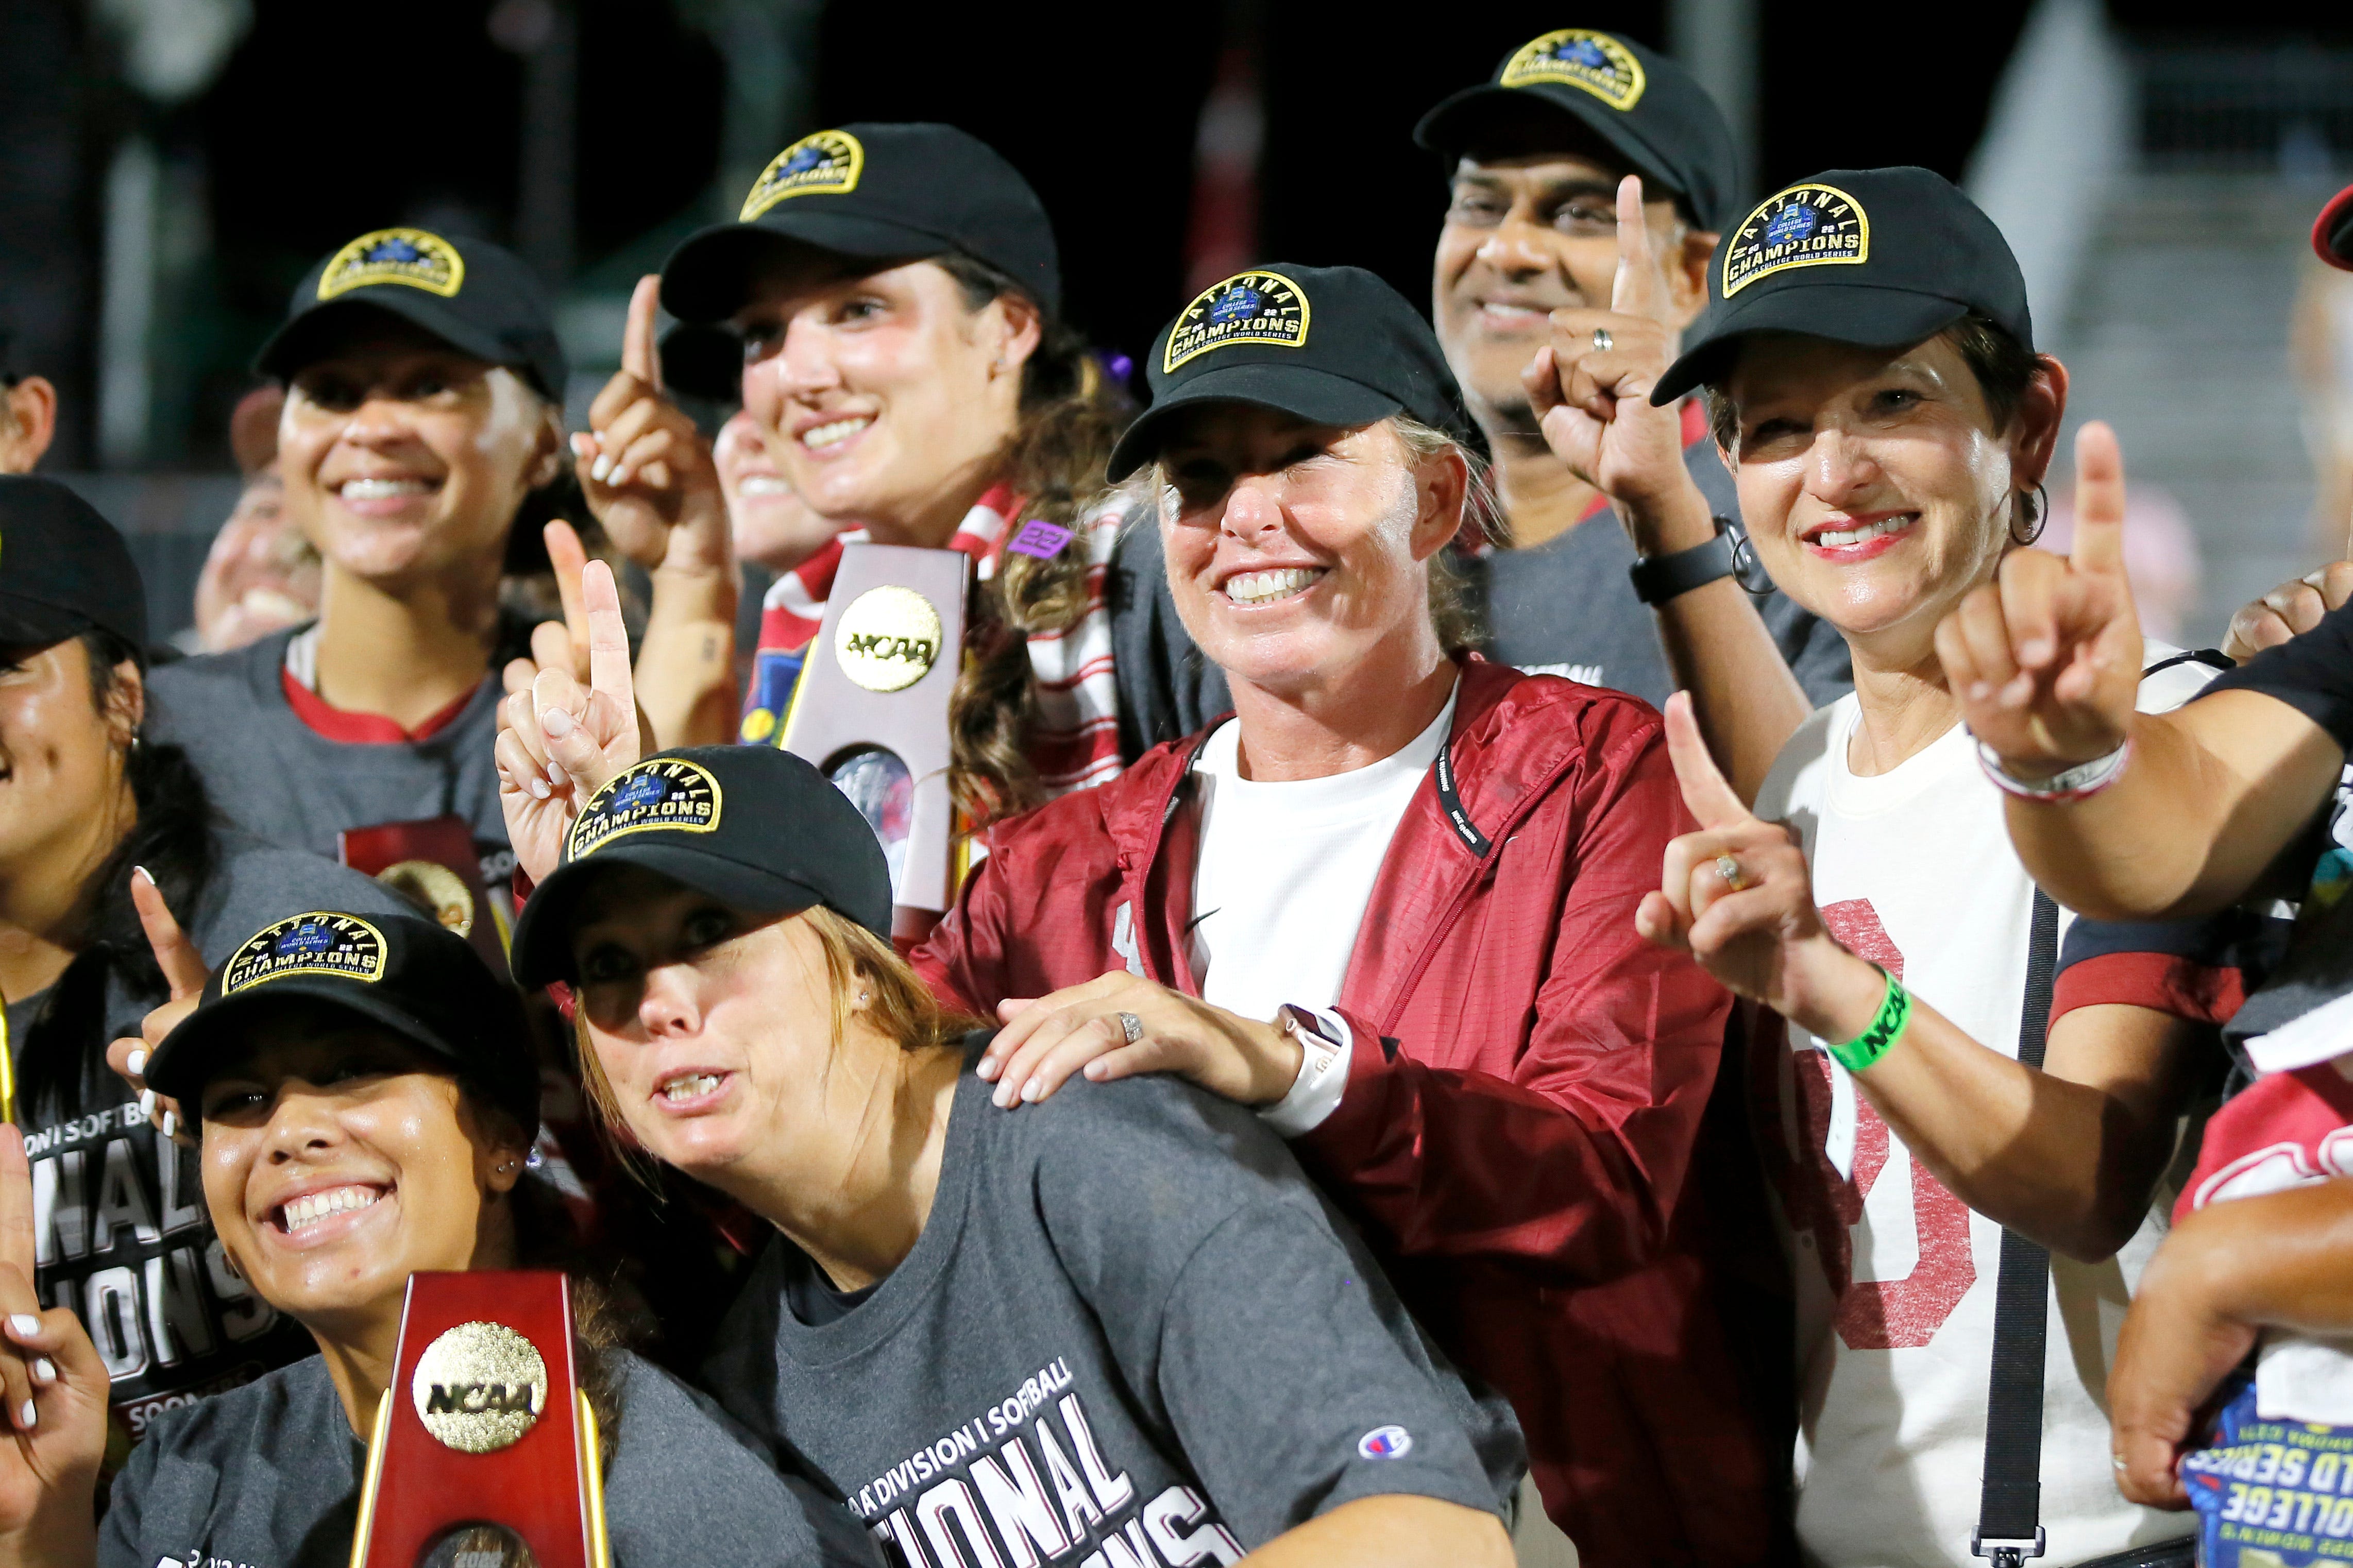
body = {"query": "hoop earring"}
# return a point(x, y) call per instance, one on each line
point(2036, 511)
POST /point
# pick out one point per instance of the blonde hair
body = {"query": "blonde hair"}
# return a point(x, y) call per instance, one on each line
point(863, 973)
point(1148, 493)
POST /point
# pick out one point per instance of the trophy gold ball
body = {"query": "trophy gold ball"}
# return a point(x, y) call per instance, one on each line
point(478, 1387)
point(887, 639)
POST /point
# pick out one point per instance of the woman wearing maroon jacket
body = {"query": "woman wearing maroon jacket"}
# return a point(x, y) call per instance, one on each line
point(1391, 904)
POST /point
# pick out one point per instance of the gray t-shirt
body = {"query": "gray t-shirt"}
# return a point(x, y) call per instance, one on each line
point(1565, 607)
point(120, 1234)
point(1131, 1328)
point(276, 777)
point(269, 1477)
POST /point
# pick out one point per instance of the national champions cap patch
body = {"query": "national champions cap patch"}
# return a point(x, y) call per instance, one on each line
point(1596, 62)
point(410, 255)
point(1805, 226)
point(1248, 308)
point(320, 943)
point(828, 163)
point(668, 793)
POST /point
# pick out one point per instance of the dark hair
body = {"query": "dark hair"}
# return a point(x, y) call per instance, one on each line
point(172, 839)
point(2004, 367)
point(1071, 413)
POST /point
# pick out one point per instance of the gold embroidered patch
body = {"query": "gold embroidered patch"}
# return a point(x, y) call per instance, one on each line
point(667, 793)
point(320, 943)
point(1805, 226)
point(1595, 62)
point(826, 164)
point(410, 255)
point(1248, 308)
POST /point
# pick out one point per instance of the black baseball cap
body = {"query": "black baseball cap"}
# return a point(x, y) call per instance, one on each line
point(410, 976)
point(64, 570)
point(755, 827)
point(1876, 258)
point(703, 360)
point(875, 192)
point(2332, 231)
point(478, 299)
point(1644, 107)
point(1331, 344)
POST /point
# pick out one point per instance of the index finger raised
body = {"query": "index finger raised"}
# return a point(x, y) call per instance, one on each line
point(2099, 502)
point(640, 350)
point(608, 635)
point(1712, 802)
point(15, 1201)
point(184, 967)
point(1634, 290)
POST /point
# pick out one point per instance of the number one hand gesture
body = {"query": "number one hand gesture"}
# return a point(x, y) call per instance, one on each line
point(2045, 662)
point(54, 1388)
point(563, 740)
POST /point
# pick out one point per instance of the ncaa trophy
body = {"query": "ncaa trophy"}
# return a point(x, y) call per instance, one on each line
point(484, 1454)
point(870, 712)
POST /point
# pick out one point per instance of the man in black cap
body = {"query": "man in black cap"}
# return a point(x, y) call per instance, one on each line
point(28, 411)
point(1534, 158)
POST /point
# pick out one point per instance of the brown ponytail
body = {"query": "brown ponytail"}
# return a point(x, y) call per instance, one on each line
point(1071, 413)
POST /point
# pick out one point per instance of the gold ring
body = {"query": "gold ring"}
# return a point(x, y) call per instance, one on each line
point(1730, 871)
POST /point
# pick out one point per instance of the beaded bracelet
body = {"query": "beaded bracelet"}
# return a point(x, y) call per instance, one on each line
point(1886, 1027)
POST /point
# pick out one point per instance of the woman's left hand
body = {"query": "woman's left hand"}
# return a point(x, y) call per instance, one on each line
point(2176, 1346)
point(645, 468)
point(1047, 1038)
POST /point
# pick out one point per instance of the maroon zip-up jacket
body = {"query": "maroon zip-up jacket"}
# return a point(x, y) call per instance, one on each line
point(1523, 1094)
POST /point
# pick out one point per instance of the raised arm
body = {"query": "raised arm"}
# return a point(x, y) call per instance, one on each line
point(1594, 405)
point(650, 478)
point(2067, 1155)
point(2046, 665)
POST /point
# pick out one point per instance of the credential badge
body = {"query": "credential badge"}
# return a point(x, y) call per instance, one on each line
point(1248, 308)
point(667, 793)
point(887, 639)
point(320, 943)
point(407, 255)
point(1805, 226)
point(478, 1387)
point(1596, 62)
point(828, 163)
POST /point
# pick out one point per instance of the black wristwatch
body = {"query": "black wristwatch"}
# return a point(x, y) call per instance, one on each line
point(1658, 578)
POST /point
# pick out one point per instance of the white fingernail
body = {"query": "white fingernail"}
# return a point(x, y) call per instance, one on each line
point(170, 1122)
point(27, 1416)
point(1035, 1089)
point(25, 1323)
point(600, 467)
point(137, 1063)
point(142, 872)
point(620, 477)
point(538, 787)
point(45, 1371)
point(556, 775)
point(557, 723)
point(146, 1103)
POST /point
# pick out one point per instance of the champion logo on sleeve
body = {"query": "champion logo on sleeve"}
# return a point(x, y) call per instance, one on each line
point(1385, 1443)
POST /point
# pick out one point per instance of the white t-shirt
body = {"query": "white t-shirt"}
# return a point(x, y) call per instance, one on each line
point(1914, 870)
point(1286, 870)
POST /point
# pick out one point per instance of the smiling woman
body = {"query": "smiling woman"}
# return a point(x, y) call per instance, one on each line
point(364, 1102)
point(424, 386)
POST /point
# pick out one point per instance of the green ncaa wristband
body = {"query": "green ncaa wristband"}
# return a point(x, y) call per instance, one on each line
point(1886, 1027)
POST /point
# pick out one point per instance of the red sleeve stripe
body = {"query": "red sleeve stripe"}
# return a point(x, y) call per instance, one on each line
point(2161, 982)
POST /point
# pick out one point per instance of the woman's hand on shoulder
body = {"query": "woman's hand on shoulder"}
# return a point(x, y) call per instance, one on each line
point(645, 468)
point(2045, 661)
point(1084, 1029)
point(2290, 610)
point(1738, 896)
point(558, 740)
point(54, 1388)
